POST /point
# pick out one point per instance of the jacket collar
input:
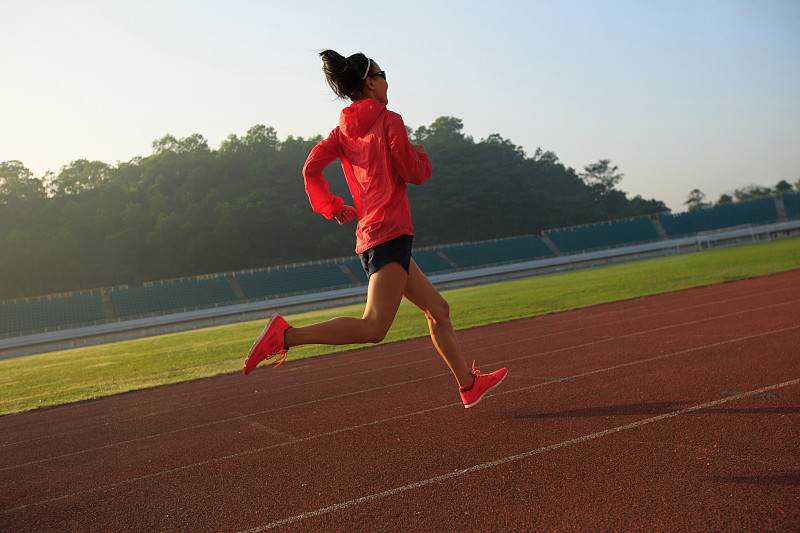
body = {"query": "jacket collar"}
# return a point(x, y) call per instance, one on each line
point(356, 120)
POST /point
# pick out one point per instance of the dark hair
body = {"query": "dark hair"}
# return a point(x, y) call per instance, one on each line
point(345, 75)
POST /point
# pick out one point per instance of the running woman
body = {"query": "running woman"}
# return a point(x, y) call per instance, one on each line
point(378, 161)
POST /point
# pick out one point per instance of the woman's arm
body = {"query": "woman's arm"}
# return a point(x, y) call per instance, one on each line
point(322, 200)
point(412, 164)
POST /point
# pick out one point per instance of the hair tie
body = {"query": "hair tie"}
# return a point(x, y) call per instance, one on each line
point(369, 64)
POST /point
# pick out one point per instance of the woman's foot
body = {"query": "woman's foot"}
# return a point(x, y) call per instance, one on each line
point(270, 344)
point(481, 384)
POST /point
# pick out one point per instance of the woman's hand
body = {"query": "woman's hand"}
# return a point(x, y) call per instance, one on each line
point(345, 214)
point(419, 148)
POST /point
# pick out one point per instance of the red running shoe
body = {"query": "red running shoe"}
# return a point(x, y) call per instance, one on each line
point(481, 384)
point(270, 344)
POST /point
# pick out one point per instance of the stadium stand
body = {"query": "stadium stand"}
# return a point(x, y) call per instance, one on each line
point(32, 315)
point(761, 211)
point(57, 312)
point(294, 279)
point(172, 296)
point(495, 252)
point(792, 204)
point(430, 262)
point(604, 235)
point(353, 264)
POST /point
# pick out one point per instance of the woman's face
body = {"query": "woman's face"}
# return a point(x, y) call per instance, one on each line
point(376, 86)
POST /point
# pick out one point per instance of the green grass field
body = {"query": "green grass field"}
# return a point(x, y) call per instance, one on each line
point(54, 378)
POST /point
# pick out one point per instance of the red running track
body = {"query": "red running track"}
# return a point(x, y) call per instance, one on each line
point(677, 412)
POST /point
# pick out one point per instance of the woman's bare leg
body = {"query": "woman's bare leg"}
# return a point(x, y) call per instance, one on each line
point(385, 291)
point(421, 292)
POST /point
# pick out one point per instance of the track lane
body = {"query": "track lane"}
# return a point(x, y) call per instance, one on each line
point(565, 361)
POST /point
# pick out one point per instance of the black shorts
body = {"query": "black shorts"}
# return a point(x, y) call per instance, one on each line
point(397, 250)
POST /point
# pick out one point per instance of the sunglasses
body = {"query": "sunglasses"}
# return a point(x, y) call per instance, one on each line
point(382, 74)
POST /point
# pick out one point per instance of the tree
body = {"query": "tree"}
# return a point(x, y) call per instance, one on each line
point(782, 187)
point(752, 192)
point(18, 183)
point(78, 176)
point(545, 156)
point(696, 200)
point(601, 177)
point(187, 209)
point(444, 130)
point(639, 206)
point(168, 143)
point(258, 137)
point(725, 199)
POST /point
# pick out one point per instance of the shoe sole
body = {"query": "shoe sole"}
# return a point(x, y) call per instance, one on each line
point(473, 404)
point(258, 340)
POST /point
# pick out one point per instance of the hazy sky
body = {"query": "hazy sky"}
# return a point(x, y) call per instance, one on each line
point(679, 94)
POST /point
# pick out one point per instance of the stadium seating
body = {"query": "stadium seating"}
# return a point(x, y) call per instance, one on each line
point(354, 265)
point(604, 235)
point(792, 204)
point(496, 252)
point(761, 211)
point(430, 262)
point(294, 279)
point(33, 315)
point(172, 296)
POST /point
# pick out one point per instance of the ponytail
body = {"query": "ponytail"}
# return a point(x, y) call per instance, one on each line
point(346, 75)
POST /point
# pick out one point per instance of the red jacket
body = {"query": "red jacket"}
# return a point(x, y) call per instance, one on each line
point(378, 160)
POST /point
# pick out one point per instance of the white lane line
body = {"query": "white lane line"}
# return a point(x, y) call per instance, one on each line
point(385, 356)
point(372, 423)
point(223, 421)
point(649, 359)
point(214, 460)
point(433, 376)
point(780, 290)
point(510, 458)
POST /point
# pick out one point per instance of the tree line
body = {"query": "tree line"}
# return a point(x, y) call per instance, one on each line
point(697, 198)
point(187, 209)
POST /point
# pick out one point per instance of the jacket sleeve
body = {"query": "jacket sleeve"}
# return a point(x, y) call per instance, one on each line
point(322, 200)
point(412, 166)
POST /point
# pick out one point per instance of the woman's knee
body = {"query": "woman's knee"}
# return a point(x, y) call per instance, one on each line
point(439, 311)
point(375, 332)
point(377, 335)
